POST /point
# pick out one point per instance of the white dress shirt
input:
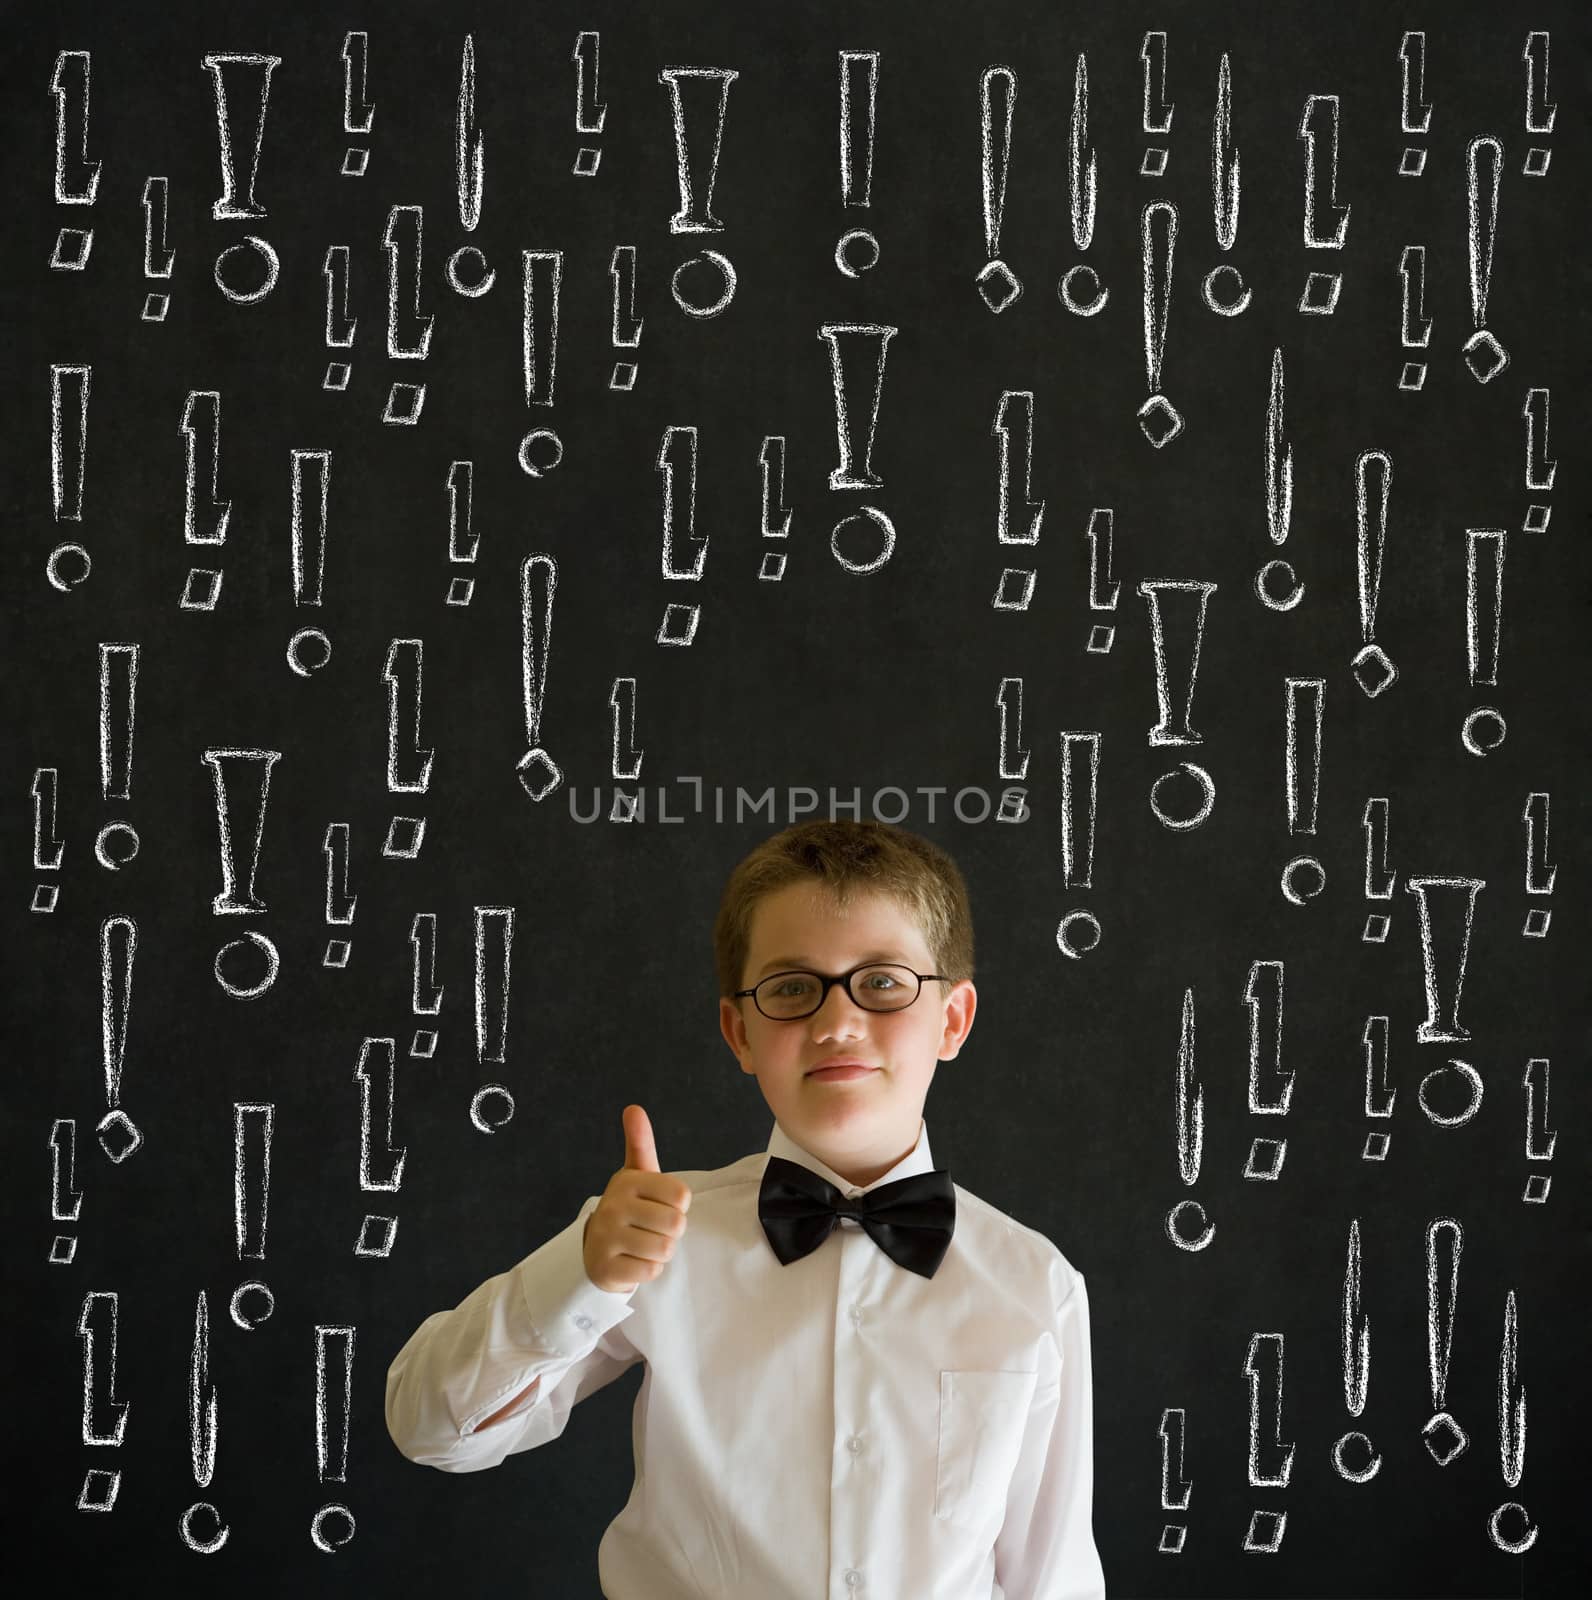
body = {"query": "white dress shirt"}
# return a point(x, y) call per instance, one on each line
point(836, 1429)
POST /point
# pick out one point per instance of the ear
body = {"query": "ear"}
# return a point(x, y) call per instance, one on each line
point(733, 1026)
point(960, 1006)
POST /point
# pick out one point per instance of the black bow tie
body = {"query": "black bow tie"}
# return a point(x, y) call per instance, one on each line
point(911, 1220)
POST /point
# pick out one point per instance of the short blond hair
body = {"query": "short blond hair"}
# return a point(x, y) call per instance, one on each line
point(849, 858)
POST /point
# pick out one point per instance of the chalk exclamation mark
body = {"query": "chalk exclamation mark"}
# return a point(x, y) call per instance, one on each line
point(333, 1524)
point(1484, 161)
point(1159, 420)
point(336, 851)
point(1224, 202)
point(1540, 110)
point(538, 772)
point(309, 649)
point(1484, 727)
point(625, 761)
point(104, 1419)
point(857, 250)
point(1374, 670)
point(200, 1526)
point(1270, 1082)
point(463, 543)
point(1415, 110)
point(205, 515)
point(381, 1162)
point(118, 1134)
point(1304, 703)
point(159, 258)
point(1539, 873)
point(1356, 1459)
point(998, 285)
point(76, 177)
point(1079, 929)
point(590, 112)
point(1079, 286)
point(117, 842)
point(492, 1105)
point(1445, 1238)
point(242, 779)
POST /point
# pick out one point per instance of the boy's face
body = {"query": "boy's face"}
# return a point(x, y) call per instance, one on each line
point(858, 1126)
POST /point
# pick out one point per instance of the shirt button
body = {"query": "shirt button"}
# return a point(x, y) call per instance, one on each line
point(584, 1323)
point(854, 1443)
point(856, 1313)
point(853, 1577)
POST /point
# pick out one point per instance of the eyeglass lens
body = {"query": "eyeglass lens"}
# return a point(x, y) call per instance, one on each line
point(796, 994)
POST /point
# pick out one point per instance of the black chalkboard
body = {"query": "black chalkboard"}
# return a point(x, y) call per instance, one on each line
point(450, 522)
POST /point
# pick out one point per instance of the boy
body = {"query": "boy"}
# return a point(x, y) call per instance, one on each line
point(840, 1400)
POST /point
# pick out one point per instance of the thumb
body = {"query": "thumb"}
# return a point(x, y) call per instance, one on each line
point(641, 1153)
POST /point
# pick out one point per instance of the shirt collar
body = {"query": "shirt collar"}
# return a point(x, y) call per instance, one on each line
point(916, 1160)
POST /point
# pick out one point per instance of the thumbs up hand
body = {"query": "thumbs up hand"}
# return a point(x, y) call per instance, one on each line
point(630, 1237)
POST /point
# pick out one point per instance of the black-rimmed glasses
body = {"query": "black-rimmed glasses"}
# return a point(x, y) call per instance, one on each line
point(875, 986)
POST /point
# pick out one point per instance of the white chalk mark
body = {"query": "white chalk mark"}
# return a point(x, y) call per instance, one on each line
point(1081, 173)
point(1224, 171)
point(1157, 108)
point(1078, 802)
point(1540, 466)
point(76, 177)
point(1318, 125)
point(1301, 697)
point(359, 112)
point(1415, 110)
point(1270, 1082)
point(425, 993)
point(1379, 880)
point(542, 271)
point(1380, 1095)
point(590, 112)
point(1415, 329)
point(494, 934)
point(1484, 601)
point(1355, 1330)
point(625, 761)
point(202, 1402)
point(1511, 1400)
point(403, 673)
point(308, 552)
point(1018, 402)
point(252, 1128)
point(1540, 110)
point(1279, 459)
point(677, 463)
point(997, 284)
point(1188, 1097)
point(403, 240)
point(1190, 612)
point(1013, 753)
point(469, 144)
point(538, 773)
point(248, 82)
point(1175, 1488)
point(96, 1327)
point(857, 353)
point(247, 772)
point(158, 257)
point(1539, 875)
point(1263, 1362)
point(859, 82)
point(698, 96)
point(1445, 922)
point(333, 1399)
point(381, 1162)
point(68, 439)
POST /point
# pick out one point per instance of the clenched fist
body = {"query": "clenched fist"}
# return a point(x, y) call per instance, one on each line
point(630, 1237)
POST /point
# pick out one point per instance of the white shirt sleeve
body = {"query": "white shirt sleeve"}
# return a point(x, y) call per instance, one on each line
point(543, 1318)
point(1046, 1548)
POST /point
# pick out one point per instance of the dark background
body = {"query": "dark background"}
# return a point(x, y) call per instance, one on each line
point(1060, 1110)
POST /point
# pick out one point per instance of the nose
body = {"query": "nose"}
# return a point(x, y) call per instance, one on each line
point(838, 1008)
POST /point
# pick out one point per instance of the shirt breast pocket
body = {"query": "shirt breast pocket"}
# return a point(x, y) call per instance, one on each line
point(982, 1418)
